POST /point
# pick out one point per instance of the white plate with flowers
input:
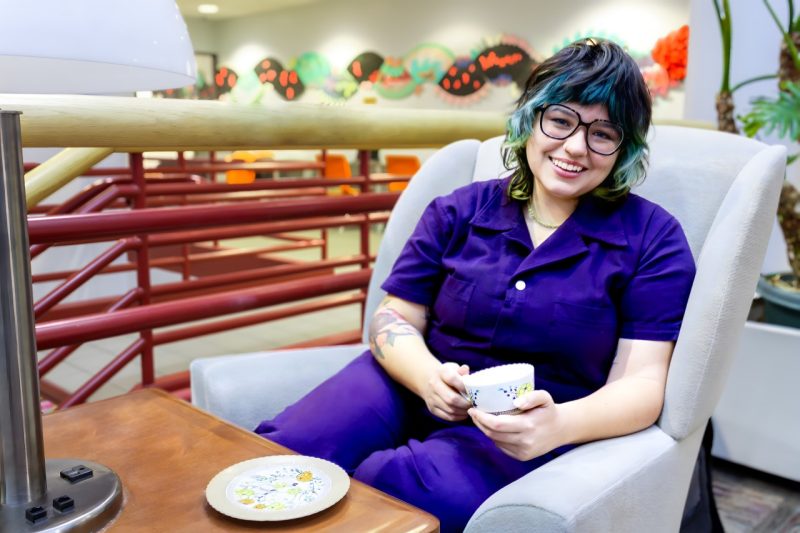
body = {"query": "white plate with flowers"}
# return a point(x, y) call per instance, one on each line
point(277, 487)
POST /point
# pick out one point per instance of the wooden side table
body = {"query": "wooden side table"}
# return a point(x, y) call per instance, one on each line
point(166, 451)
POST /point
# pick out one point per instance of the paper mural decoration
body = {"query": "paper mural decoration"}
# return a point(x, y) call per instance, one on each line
point(459, 80)
point(510, 61)
point(463, 79)
point(365, 67)
point(286, 83)
point(671, 56)
point(225, 80)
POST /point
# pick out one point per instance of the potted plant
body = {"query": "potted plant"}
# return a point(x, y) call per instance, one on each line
point(766, 360)
point(781, 115)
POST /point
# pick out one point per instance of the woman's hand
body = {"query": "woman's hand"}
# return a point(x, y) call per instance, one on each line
point(442, 392)
point(535, 431)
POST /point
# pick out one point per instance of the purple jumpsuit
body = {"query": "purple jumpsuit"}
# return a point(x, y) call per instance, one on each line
point(611, 271)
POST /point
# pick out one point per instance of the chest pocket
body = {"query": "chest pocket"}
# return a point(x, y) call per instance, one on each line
point(585, 338)
point(468, 309)
point(450, 307)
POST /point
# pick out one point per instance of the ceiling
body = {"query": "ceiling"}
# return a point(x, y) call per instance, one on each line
point(237, 8)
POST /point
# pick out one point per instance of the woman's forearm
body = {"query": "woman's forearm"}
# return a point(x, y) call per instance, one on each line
point(631, 399)
point(399, 347)
point(618, 408)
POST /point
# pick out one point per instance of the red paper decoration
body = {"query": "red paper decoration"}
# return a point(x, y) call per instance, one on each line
point(672, 51)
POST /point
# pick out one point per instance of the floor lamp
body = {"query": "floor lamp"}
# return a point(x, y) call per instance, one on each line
point(56, 47)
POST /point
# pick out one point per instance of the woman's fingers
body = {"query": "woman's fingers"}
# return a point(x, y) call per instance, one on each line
point(500, 428)
point(443, 396)
point(449, 400)
point(449, 393)
point(485, 423)
point(454, 399)
point(496, 423)
point(448, 415)
point(451, 375)
point(536, 398)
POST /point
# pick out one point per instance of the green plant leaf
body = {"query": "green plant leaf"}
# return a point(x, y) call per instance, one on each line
point(780, 115)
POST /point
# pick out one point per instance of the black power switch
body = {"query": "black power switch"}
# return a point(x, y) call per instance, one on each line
point(77, 473)
point(64, 504)
point(35, 514)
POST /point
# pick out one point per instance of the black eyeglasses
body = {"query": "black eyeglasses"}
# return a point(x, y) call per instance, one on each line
point(560, 122)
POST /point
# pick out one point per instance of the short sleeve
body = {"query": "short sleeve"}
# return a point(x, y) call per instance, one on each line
point(418, 271)
point(654, 301)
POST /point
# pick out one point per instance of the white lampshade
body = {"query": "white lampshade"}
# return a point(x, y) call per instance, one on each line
point(93, 46)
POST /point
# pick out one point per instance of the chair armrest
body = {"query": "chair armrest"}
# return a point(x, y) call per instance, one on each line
point(623, 484)
point(246, 389)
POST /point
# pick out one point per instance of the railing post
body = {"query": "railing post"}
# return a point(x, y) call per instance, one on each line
point(323, 157)
point(212, 158)
point(143, 269)
point(363, 160)
point(363, 165)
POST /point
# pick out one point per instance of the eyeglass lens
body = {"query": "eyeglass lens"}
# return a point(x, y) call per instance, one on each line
point(560, 122)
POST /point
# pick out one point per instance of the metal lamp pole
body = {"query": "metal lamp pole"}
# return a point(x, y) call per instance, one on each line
point(35, 495)
point(21, 446)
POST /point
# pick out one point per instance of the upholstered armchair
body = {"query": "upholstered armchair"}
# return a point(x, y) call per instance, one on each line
point(723, 189)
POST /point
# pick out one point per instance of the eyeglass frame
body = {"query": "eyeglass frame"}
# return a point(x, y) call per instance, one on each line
point(586, 129)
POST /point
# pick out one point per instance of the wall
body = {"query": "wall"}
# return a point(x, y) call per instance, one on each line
point(342, 29)
point(203, 33)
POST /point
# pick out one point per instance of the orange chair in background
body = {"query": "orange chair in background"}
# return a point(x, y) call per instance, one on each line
point(337, 166)
point(402, 165)
point(235, 177)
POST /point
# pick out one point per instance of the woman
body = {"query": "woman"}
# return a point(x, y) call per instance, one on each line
point(556, 265)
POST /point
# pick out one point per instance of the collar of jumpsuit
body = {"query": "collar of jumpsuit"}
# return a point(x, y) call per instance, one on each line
point(593, 218)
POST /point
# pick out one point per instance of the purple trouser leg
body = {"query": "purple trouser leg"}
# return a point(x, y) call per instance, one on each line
point(449, 474)
point(354, 413)
point(375, 429)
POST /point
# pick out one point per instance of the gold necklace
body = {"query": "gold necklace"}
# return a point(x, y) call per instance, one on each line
point(532, 214)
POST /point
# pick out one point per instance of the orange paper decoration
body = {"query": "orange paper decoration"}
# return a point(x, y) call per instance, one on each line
point(671, 52)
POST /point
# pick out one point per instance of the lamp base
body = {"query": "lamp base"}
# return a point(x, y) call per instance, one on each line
point(81, 496)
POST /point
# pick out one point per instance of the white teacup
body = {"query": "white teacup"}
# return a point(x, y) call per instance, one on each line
point(494, 389)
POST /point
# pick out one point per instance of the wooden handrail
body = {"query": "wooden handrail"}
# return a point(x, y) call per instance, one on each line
point(59, 170)
point(129, 124)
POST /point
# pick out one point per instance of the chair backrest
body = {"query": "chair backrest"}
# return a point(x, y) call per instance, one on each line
point(449, 168)
point(722, 188)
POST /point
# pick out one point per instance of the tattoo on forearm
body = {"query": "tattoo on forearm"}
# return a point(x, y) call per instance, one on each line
point(387, 326)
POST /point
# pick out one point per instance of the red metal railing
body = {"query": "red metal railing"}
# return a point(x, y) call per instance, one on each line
point(221, 215)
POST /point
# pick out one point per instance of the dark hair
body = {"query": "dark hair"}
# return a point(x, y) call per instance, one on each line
point(589, 71)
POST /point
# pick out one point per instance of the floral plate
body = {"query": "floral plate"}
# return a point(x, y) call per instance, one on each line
point(277, 487)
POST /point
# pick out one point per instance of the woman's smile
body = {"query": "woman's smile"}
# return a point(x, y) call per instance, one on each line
point(567, 168)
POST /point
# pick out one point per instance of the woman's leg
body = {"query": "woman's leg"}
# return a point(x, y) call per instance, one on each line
point(357, 411)
point(449, 474)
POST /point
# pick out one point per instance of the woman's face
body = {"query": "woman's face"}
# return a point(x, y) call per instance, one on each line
point(563, 170)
